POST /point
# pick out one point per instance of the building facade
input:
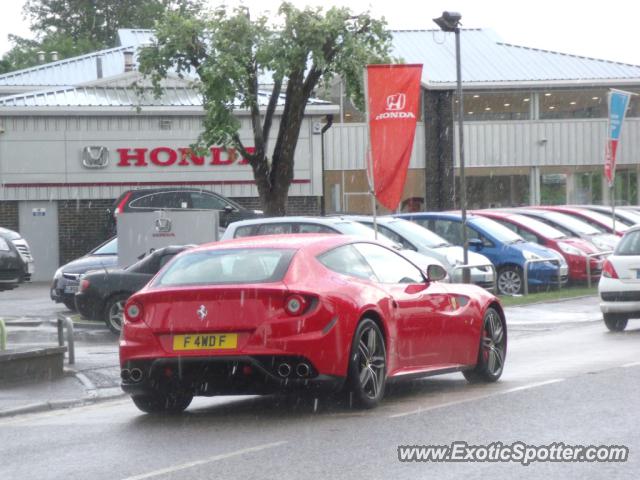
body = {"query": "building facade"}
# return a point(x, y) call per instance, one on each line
point(74, 134)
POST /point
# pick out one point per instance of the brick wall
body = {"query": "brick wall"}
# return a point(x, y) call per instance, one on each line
point(295, 205)
point(9, 215)
point(82, 225)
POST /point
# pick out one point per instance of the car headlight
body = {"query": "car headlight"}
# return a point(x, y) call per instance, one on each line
point(570, 249)
point(4, 246)
point(530, 255)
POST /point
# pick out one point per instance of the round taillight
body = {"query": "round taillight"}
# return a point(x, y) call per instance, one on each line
point(295, 305)
point(133, 312)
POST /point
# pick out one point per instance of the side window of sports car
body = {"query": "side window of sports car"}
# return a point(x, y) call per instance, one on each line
point(388, 266)
point(348, 261)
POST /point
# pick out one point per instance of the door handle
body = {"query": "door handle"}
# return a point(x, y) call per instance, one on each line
point(394, 304)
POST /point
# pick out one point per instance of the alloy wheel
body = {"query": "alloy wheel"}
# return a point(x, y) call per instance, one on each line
point(371, 362)
point(493, 343)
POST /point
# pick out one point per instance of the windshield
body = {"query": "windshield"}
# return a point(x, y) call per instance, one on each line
point(571, 223)
point(417, 234)
point(495, 230)
point(606, 220)
point(109, 248)
point(219, 267)
point(537, 226)
point(355, 228)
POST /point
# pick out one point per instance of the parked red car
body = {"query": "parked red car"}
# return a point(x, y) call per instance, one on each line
point(267, 314)
point(573, 249)
point(598, 220)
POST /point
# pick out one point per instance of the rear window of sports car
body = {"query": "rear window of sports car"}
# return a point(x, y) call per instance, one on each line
point(223, 267)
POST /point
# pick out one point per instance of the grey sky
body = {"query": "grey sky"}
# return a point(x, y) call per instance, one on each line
point(606, 30)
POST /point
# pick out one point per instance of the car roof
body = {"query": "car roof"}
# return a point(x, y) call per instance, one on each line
point(315, 242)
point(293, 219)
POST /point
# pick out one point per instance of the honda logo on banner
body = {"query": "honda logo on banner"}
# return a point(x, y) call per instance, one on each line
point(618, 103)
point(396, 101)
point(393, 99)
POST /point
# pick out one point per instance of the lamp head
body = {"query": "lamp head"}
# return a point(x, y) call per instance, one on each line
point(449, 21)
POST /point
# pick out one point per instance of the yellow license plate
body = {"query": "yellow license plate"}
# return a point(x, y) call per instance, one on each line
point(205, 341)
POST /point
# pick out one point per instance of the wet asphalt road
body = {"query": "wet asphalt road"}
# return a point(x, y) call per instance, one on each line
point(576, 384)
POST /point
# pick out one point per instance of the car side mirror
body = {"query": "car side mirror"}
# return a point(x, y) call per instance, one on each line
point(435, 273)
point(475, 243)
point(229, 209)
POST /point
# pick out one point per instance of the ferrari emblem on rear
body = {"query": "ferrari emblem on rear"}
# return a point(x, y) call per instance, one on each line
point(202, 312)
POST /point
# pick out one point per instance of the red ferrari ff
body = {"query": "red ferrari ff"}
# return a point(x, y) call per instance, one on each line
point(268, 314)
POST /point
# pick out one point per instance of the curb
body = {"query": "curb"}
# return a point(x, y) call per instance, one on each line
point(58, 405)
point(559, 300)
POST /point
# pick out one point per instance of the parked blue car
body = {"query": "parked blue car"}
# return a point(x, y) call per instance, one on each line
point(506, 249)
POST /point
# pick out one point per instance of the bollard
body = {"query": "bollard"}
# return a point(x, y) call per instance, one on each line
point(3, 335)
point(64, 321)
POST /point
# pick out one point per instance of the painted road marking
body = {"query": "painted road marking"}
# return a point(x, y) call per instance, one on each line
point(215, 458)
point(466, 400)
point(632, 364)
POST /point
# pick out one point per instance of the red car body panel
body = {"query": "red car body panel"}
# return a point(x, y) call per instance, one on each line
point(427, 327)
point(577, 263)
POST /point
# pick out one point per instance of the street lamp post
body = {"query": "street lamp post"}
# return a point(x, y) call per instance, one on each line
point(450, 22)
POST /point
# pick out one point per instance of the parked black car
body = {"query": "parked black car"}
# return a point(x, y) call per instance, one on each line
point(23, 249)
point(103, 293)
point(67, 277)
point(13, 269)
point(152, 199)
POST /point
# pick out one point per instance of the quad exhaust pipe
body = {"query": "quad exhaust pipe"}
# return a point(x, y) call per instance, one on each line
point(303, 370)
point(133, 375)
point(284, 370)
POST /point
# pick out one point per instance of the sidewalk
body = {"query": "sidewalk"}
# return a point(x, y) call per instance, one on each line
point(95, 376)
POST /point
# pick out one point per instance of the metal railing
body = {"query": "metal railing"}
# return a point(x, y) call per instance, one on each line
point(589, 257)
point(540, 260)
point(3, 335)
point(494, 288)
point(64, 321)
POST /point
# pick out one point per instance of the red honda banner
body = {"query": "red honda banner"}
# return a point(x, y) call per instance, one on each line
point(393, 99)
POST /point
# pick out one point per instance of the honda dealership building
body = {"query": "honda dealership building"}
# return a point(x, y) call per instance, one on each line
point(74, 134)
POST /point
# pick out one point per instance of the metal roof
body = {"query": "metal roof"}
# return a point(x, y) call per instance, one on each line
point(123, 97)
point(488, 61)
point(134, 36)
point(70, 71)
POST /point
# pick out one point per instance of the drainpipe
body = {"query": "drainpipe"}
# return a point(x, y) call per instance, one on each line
point(326, 127)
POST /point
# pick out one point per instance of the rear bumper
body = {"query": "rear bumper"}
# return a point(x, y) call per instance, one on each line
point(229, 375)
point(88, 306)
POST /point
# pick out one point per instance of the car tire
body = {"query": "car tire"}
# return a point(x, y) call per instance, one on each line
point(113, 311)
point(492, 351)
point(615, 322)
point(510, 281)
point(172, 402)
point(70, 304)
point(367, 372)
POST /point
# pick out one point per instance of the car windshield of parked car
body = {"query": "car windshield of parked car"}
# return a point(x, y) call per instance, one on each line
point(541, 228)
point(629, 244)
point(232, 266)
point(495, 230)
point(355, 228)
point(417, 234)
point(572, 223)
point(606, 220)
point(109, 248)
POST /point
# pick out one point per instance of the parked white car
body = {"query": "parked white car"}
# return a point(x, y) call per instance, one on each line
point(619, 286)
point(420, 239)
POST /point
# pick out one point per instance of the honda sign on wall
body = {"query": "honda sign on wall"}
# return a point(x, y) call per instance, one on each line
point(393, 96)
